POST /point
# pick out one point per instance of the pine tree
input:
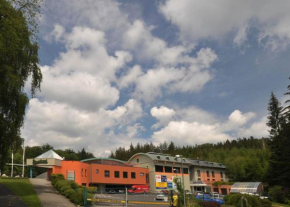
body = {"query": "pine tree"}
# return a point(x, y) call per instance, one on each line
point(275, 117)
point(286, 109)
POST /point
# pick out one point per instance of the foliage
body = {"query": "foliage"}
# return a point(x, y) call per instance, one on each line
point(24, 189)
point(55, 178)
point(286, 109)
point(266, 203)
point(278, 194)
point(275, 118)
point(180, 191)
point(236, 200)
point(68, 192)
point(18, 62)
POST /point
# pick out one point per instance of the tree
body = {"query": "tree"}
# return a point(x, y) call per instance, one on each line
point(18, 62)
point(275, 117)
point(286, 109)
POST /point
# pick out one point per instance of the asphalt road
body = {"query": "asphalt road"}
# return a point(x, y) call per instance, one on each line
point(134, 197)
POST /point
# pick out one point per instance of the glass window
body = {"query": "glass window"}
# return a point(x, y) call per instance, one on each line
point(97, 171)
point(198, 173)
point(137, 160)
point(207, 173)
point(212, 174)
point(147, 178)
point(82, 172)
point(168, 169)
point(158, 168)
point(86, 172)
point(117, 174)
point(185, 170)
point(125, 174)
point(222, 175)
point(107, 173)
point(176, 169)
point(133, 175)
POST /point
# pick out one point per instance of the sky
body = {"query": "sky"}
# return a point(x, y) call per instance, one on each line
point(134, 71)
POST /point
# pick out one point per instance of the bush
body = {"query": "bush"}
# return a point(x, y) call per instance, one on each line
point(64, 188)
point(68, 192)
point(76, 198)
point(235, 200)
point(92, 189)
point(56, 177)
point(266, 203)
point(61, 183)
point(278, 194)
point(73, 185)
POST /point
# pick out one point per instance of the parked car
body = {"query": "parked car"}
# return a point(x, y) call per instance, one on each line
point(160, 196)
point(188, 192)
point(207, 197)
point(112, 192)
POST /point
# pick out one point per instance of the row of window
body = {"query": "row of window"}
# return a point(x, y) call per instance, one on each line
point(168, 169)
point(208, 174)
point(117, 174)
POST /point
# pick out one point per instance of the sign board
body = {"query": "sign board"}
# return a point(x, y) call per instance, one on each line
point(39, 162)
point(158, 178)
point(161, 185)
point(70, 175)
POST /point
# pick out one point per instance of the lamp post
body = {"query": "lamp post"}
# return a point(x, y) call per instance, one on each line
point(180, 156)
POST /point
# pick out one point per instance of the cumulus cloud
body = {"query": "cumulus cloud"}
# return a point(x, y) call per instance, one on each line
point(65, 127)
point(162, 114)
point(199, 20)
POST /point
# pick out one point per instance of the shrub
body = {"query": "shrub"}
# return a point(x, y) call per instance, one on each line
point(61, 183)
point(235, 200)
point(76, 198)
point(265, 203)
point(64, 188)
point(73, 185)
point(68, 192)
point(92, 189)
point(278, 194)
point(56, 177)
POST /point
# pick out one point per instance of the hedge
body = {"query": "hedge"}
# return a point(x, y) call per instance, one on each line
point(253, 201)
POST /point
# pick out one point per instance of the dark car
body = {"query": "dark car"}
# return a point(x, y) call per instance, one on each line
point(207, 197)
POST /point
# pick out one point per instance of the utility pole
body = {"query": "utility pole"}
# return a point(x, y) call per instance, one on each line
point(180, 156)
point(12, 165)
point(23, 159)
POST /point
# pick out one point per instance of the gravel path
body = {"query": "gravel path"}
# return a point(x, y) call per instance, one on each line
point(48, 195)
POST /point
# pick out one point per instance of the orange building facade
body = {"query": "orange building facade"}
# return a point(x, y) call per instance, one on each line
point(105, 173)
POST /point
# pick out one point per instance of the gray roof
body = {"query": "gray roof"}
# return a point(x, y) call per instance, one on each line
point(203, 163)
point(163, 157)
point(168, 158)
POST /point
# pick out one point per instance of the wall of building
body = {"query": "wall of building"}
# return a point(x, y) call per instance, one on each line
point(98, 174)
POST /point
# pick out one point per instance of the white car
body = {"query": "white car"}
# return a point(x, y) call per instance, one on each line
point(160, 196)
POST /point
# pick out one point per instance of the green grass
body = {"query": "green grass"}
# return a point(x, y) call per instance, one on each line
point(279, 204)
point(24, 189)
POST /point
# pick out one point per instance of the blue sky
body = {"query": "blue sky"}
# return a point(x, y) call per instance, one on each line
point(191, 72)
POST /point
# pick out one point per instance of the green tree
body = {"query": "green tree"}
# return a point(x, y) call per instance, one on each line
point(18, 61)
point(275, 117)
point(286, 109)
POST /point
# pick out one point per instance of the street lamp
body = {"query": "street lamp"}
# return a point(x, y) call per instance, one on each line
point(180, 156)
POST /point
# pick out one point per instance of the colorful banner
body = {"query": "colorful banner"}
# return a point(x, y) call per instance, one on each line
point(161, 185)
point(163, 178)
point(70, 175)
point(158, 178)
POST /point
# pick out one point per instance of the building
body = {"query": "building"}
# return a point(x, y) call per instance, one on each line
point(204, 174)
point(163, 169)
point(255, 188)
point(105, 173)
point(154, 169)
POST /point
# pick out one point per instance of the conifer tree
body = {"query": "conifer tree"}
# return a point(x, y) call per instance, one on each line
point(275, 117)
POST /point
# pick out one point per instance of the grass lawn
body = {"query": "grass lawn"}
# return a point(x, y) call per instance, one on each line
point(23, 189)
point(279, 204)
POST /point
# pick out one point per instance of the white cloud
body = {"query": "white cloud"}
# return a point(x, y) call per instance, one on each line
point(206, 19)
point(62, 126)
point(257, 129)
point(183, 133)
point(162, 114)
point(237, 119)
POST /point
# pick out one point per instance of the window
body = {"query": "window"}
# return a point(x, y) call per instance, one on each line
point(137, 160)
point(198, 173)
point(86, 172)
point(107, 173)
point(176, 169)
point(222, 175)
point(133, 175)
point(212, 174)
point(97, 171)
point(185, 170)
point(158, 168)
point(207, 173)
point(82, 172)
point(147, 178)
point(125, 174)
point(117, 174)
point(168, 169)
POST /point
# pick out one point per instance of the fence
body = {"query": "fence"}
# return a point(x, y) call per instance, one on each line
point(123, 198)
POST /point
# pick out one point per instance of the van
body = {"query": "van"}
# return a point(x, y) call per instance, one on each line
point(139, 189)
